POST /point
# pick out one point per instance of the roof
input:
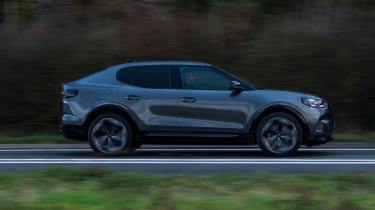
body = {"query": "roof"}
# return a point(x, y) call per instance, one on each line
point(141, 63)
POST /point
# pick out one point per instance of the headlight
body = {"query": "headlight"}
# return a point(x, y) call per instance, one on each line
point(314, 102)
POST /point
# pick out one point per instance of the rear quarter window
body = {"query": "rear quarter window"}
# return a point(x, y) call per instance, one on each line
point(157, 77)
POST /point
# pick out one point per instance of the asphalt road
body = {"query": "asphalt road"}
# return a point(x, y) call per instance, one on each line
point(171, 159)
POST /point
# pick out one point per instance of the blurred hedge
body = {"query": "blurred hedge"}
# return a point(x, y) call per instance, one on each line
point(322, 47)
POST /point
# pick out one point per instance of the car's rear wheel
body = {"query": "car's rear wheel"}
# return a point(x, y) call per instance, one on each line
point(279, 134)
point(110, 134)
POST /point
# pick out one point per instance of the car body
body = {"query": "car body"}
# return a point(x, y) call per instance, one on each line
point(194, 102)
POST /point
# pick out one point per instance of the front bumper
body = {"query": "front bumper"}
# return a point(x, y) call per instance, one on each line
point(322, 131)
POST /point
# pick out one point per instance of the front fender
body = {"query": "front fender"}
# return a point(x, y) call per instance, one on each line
point(276, 107)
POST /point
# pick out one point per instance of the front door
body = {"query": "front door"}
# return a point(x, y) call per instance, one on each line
point(206, 103)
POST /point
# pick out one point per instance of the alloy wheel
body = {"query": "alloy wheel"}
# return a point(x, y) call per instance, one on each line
point(279, 135)
point(109, 135)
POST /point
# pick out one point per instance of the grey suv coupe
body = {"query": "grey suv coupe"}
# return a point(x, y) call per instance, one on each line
point(161, 102)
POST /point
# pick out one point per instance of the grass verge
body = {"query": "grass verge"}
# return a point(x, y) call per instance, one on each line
point(367, 137)
point(34, 139)
point(94, 189)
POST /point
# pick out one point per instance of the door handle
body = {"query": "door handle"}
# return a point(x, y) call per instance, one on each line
point(132, 97)
point(188, 100)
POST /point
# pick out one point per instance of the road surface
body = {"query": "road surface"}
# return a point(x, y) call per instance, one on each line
point(185, 159)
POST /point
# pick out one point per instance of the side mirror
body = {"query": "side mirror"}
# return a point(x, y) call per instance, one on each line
point(236, 86)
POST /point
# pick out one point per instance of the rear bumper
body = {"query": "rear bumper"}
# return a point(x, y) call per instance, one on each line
point(69, 125)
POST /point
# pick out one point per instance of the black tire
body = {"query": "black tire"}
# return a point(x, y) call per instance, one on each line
point(125, 146)
point(295, 137)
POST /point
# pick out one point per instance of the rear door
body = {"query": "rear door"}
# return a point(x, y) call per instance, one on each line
point(207, 105)
point(149, 93)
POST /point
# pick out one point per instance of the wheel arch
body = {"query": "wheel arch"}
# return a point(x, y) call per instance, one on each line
point(278, 108)
point(110, 108)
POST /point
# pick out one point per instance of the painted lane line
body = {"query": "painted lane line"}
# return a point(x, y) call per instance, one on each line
point(187, 149)
point(196, 160)
point(257, 149)
point(187, 162)
point(193, 161)
point(43, 150)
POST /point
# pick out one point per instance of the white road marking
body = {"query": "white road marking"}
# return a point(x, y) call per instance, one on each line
point(257, 149)
point(44, 150)
point(183, 149)
point(242, 161)
point(187, 162)
point(192, 161)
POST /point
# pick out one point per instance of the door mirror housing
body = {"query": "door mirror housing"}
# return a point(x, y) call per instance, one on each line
point(236, 86)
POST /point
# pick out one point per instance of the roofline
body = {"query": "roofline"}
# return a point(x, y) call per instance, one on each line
point(165, 62)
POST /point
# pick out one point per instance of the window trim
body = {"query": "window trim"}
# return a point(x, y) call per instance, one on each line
point(176, 68)
point(170, 75)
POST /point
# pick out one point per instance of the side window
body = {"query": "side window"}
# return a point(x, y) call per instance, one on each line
point(203, 78)
point(157, 77)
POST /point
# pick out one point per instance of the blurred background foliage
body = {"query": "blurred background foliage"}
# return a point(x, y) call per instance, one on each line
point(325, 47)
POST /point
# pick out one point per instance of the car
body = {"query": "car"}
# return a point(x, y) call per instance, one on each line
point(184, 102)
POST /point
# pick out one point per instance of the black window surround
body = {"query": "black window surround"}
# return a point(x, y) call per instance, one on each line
point(147, 76)
point(175, 80)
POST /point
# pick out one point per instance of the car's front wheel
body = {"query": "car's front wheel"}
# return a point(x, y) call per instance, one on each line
point(279, 134)
point(110, 134)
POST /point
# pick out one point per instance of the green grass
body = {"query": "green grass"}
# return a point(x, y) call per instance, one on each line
point(93, 189)
point(58, 139)
point(34, 139)
point(368, 137)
